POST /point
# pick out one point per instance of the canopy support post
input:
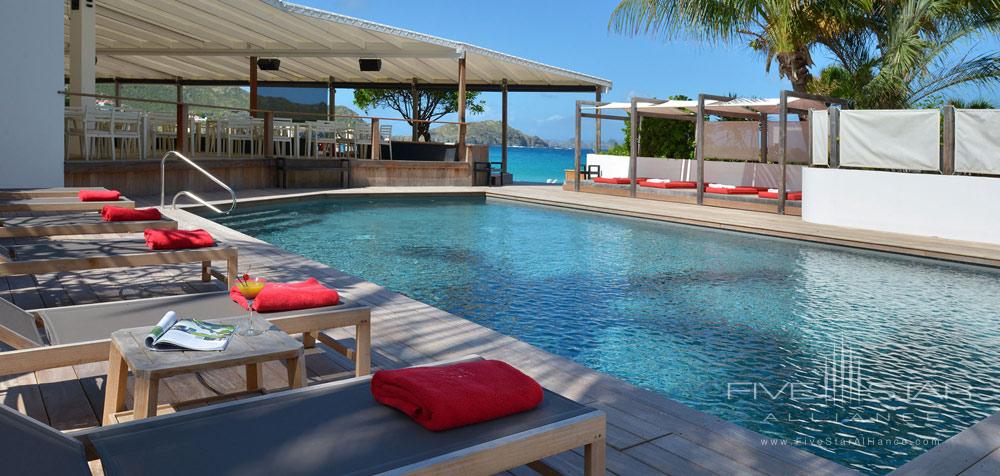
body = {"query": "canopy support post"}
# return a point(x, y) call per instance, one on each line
point(82, 52)
point(763, 137)
point(331, 103)
point(503, 129)
point(699, 148)
point(576, 150)
point(182, 119)
point(118, 92)
point(633, 156)
point(783, 148)
point(253, 86)
point(597, 123)
point(460, 153)
point(415, 97)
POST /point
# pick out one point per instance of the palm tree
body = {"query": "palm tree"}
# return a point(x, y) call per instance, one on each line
point(784, 31)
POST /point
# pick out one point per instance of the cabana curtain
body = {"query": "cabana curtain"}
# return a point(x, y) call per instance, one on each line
point(819, 131)
point(890, 139)
point(977, 138)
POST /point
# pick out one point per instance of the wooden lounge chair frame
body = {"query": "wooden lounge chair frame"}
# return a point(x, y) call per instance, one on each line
point(60, 204)
point(7, 230)
point(29, 356)
point(54, 192)
point(128, 260)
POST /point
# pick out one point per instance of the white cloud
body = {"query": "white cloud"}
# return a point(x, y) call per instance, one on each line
point(552, 118)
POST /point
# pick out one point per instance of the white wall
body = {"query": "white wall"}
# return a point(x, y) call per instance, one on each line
point(31, 121)
point(947, 206)
point(732, 173)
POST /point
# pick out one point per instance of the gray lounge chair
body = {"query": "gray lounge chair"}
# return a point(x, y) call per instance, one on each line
point(75, 224)
point(332, 428)
point(59, 204)
point(80, 334)
point(19, 193)
point(53, 256)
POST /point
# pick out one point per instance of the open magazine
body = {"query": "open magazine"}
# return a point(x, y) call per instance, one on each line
point(188, 334)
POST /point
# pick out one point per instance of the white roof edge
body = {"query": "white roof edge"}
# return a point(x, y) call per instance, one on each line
point(413, 35)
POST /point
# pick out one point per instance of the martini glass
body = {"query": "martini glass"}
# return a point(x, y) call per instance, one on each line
point(250, 289)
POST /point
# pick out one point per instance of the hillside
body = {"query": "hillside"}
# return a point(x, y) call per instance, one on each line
point(486, 132)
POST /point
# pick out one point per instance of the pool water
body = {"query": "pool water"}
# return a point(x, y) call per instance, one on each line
point(865, 358)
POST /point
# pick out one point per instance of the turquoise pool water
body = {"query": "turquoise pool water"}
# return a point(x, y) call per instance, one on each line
point(865, 358)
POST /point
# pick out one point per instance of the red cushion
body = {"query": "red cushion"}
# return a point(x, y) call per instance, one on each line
point(177, 239)
point(277, 297)
point(774, 195)
point(112, 213)
point(449, 396)
point(615, 180)
point(671, 184)
point(732, 191)
point(99, 195)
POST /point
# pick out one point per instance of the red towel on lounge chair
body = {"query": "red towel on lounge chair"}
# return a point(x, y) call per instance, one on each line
point(276, 297)
point(450, 396)
point(774, 195)
point(615, 180)
point(671, 184)
point(732, 191)
point(112, 213)
point(177, 239)
point(99, 195)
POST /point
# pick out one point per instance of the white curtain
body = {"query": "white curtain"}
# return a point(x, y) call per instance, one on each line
point(819, 131)
point(891, 139)
point(798, 142)
point(732, 140)
point(977, 141)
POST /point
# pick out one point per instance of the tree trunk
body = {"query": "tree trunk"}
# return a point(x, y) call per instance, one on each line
point(795, 66)
point(424, 131)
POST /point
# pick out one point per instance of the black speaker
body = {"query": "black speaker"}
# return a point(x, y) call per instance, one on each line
point(268, 64)
point(370, 64)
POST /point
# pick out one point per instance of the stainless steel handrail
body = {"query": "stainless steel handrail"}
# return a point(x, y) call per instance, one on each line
point(163, 184)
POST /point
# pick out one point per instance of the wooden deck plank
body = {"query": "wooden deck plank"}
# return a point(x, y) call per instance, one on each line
point(66, 402)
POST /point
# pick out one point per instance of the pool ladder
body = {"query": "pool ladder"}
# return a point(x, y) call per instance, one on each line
point(187, 193)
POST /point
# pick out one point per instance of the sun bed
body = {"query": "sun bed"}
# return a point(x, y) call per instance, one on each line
point(673, 184)
point(52, 256)
point(75, 224)
point(20, 193)
point(774, 195)
point(80, 334)
point(60, 204)
point(740, 190)
point(335, 427)
point(613, 180)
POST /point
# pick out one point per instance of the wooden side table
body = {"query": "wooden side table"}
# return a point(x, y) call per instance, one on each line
point(129, 352)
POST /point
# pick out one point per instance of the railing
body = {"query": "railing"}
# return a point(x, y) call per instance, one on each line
point(191, 195)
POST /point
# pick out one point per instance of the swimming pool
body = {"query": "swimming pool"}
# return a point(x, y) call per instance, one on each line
point(865, 358)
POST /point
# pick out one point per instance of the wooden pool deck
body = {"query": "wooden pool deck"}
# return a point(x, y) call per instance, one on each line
point(647, 432)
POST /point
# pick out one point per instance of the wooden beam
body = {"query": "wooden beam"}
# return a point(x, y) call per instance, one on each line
point(331, 105)
point(182, 119)
point(460, 153)
point(633, 157)
point(597, 122)
point(376, 153)
point(576, 151)
point(253, 86)
point(699, 148)
point(948, 145)
point(118, 92)
point(782, 150)
point(763, 137)
point(503, 128)
point(834, 147)
point(415, 95)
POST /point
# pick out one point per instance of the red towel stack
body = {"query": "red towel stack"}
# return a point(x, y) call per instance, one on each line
point(99, 195)
point(450, 396)
point(112, 213)
point(177, 239)
point(276, 297)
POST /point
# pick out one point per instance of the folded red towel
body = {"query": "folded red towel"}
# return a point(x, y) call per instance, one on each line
point(112, 213)
point(99, 195)
point(177, 239)
point(450, 396)
point(276, 297)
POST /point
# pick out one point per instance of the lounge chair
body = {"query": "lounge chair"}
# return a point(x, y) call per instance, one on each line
point(21, 193)
point(613, 180)
point(75, 224)
point(774, 195)
point(672, 184)
point(80, 334)
point(335, 427)
point(53, 256)
point(59, 204)
point(732, 190)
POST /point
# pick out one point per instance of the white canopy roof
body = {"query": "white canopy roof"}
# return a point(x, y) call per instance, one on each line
point(211, 41)
point(735, 106)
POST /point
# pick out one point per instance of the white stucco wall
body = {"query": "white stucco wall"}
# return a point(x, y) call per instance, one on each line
point(945, 206)
point(732, 173)
point(31, 122)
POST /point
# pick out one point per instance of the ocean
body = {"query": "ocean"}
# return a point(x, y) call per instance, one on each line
point(536, 165)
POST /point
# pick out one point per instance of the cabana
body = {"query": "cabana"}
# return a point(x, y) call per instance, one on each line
point(697, 111)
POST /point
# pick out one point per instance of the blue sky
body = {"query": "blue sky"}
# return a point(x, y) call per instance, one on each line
point(574, 34)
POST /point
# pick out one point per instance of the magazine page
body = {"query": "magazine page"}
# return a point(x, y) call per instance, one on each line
point(161, 327)
point(194, 334)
